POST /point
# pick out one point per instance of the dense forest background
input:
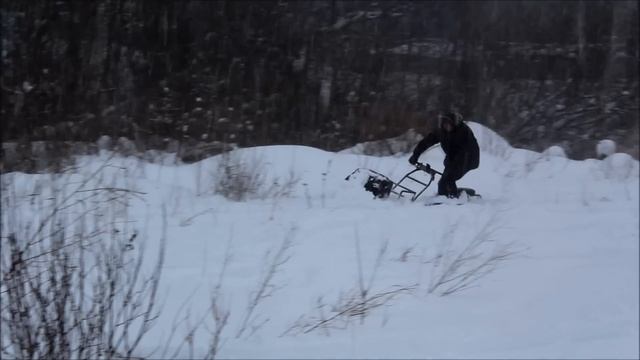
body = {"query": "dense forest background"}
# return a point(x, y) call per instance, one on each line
point(322, 73)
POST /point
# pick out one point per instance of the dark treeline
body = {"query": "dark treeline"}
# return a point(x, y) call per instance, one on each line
point(320, 73)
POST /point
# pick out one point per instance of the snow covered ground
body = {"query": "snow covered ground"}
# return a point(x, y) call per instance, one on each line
point(546, 264)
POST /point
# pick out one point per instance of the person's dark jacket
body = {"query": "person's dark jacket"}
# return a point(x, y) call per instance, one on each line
point(460, 146)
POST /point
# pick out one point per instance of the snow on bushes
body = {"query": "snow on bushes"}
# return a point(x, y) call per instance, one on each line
point(620, 166)
point(605, 148)
point(554, 151)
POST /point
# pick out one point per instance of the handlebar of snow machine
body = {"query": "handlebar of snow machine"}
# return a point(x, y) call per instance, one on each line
point(427, 168)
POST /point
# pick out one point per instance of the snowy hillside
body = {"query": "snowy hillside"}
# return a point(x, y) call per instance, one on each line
point(308, 265)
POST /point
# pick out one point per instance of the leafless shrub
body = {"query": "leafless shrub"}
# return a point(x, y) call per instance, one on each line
point(406, 253)
point(584, 195)
point(218, 322)
point(266, 286)
point(307, 195)
point(188, 339)
point(219, 314)
point(189, 220)
point(239, 179)
point(347, 307)
point(531, 162)
point(454, 271)
point(281, 188)
point(73, 283)
point(358, 302)
point(365, 289)
point(324, 183)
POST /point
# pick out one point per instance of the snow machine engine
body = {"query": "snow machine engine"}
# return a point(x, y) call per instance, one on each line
point(379, 187)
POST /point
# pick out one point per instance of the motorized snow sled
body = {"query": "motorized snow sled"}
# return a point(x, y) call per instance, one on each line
point(381, 186)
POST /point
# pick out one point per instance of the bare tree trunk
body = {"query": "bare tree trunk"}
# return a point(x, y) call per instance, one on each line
point(580, 31)
point(620, 27)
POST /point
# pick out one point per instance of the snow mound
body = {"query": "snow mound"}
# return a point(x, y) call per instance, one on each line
point(605, 148)
point(399, 145)
point(489, 141)
point(620, 166)
point(554, 151)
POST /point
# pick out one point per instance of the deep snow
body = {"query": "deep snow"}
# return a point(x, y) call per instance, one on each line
point(568, 289)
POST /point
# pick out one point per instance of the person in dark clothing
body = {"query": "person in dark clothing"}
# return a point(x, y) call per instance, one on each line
point(460, 147)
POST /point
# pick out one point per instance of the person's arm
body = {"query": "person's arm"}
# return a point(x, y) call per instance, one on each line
point(428, 141)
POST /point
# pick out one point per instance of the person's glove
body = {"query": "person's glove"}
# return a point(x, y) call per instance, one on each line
point(413, 159)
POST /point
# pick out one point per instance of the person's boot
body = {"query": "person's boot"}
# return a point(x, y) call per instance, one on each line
point(452, 191)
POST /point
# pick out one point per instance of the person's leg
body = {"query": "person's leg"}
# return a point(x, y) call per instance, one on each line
point(442, 186)
point(447, 184)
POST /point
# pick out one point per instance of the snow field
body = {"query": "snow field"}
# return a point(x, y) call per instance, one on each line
point(567, 287)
